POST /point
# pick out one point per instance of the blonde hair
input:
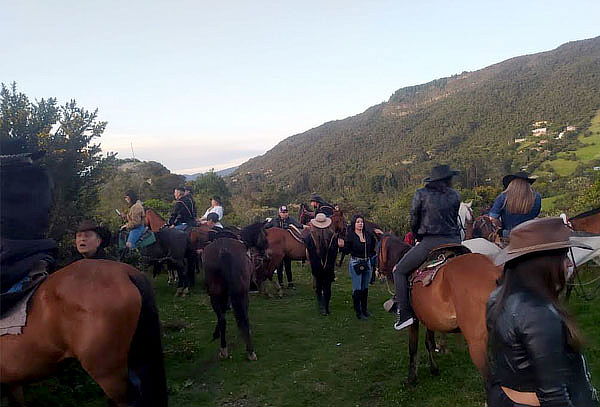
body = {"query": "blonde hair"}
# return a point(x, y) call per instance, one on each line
point(520, 196)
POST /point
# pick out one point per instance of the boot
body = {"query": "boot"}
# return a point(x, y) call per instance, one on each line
point(404, 318)
point(363, 302)
point(356, 297)
point(321, 304)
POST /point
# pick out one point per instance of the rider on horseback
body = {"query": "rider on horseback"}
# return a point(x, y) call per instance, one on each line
point(518, 202)
point(434, 214)
point(183, 213)
point(135, 219)
point(320, 206)
point(215, 207)
point(284, 221)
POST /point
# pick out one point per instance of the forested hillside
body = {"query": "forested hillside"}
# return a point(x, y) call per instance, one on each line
point(474, 121)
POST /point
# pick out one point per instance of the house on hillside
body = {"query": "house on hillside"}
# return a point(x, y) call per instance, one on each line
point(519, 140)
point(540, 131)
point(596, 168)
point(540, 123)
point(543, 141)
point(560, 135)
point(571, 128)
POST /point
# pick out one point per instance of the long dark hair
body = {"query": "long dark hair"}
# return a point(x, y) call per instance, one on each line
point(132, 195)
point(544, 274)
point(354, 219)
point(440, 185)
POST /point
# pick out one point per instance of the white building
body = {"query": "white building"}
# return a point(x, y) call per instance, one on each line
point(540, 132)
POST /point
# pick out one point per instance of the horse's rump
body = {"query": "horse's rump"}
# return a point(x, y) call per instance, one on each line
point(227, 267)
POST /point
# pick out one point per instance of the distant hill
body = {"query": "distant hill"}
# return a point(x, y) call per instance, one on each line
point(221, 173)
point(470, 120)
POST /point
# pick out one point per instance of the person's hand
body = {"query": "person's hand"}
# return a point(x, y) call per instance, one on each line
point(378, 231)
point(340, 242)
point(171, 227)
point(393, 269)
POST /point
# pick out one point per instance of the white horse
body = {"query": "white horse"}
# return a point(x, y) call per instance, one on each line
point(465, 216)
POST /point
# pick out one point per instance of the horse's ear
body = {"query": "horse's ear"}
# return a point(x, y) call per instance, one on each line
point(469, 203)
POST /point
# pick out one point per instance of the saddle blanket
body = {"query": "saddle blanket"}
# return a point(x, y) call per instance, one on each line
point(14, 319)
point(436, 259)
point(146, 239)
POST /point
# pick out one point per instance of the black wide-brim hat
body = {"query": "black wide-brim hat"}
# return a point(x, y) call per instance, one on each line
point(101, 231)
point(521, 174)
point(440, 172)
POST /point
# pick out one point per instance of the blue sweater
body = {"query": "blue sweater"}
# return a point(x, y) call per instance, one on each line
point(510, 220)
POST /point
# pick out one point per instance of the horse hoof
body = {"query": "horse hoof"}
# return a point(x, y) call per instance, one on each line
point(252, 356)
point(223, 354)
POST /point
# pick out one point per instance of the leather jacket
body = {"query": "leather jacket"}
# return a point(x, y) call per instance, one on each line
point(435, 212)
point(278, 222)
point(183, 212)
point(529, 352)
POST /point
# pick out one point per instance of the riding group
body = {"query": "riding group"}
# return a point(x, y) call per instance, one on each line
point(507, 302)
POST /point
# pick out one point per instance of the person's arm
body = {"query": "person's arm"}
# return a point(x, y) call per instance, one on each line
point(415, 213)
point(175, 213)
point(219, 211)
point(205, 214)
point(543, 334)
point(497, 207)
point(270, 224)
point(537, 205)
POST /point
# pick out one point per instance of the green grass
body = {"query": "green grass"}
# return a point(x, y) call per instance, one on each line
point(304, 359)
point(549, 203)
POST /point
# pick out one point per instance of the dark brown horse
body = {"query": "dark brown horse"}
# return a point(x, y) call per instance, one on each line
point(587, 222)
point(486, 227)
point(103, 314)
point(172, 248)
point(390, 251)
point(228, 270)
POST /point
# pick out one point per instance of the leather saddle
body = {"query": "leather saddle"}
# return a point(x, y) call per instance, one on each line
point(296, 233)
point(436, 258)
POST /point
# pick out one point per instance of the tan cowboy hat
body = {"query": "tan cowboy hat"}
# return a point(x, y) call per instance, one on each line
point(538, 235)
point(321, 221)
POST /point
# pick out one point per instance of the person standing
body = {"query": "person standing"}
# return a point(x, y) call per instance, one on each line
point(283, 220)
point(136, 219)
point(91, 239)
point(518, 202)
point(434, 214)
point(360, 244)
point(215, 207)
point(535, 346)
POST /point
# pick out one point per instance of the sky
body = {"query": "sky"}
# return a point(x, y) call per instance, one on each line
point(203, 84)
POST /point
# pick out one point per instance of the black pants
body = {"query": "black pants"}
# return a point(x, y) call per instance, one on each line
point(287, 264)
point(323, 289)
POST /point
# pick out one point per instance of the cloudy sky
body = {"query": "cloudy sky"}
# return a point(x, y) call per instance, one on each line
point(204, 84)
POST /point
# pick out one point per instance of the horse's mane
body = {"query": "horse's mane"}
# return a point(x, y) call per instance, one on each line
point(153, 211)
point(586, 214)
point(254, 236)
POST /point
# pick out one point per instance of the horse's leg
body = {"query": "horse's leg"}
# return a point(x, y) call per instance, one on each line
point(478, 353)
point(217, 305)
point(413, 344)
point(239, 303)
point(430, 345)
point(441, 344)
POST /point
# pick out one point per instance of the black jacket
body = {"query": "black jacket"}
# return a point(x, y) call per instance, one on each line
point(435, 212)
point(278, 222)
point(356, 248)
point(529, 352)
point(183, 212)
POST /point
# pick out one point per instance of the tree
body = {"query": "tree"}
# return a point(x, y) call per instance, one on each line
point(66, 133)
point(208, 185)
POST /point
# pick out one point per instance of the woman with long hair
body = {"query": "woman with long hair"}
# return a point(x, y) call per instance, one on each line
point(535, 346)
point(434, 221)
point(360, 244)
point(518, 202)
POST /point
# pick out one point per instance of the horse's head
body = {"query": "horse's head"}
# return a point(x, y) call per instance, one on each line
point(338, 223)
point(254, 237)
point(154, 220)
point(486, 227)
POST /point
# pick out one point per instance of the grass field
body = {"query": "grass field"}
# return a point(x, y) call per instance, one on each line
point(304, 359)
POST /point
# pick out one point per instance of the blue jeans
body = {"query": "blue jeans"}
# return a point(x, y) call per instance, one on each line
point(359, 282)
point(134, 235)
point(181, 226)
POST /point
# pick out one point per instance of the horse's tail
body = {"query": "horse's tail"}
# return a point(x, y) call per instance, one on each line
point(146, 365)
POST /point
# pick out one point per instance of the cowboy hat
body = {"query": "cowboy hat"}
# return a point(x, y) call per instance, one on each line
point(537, 235)
point(321, 221)
point(101, 231)
point(521, 174)
point(440, 172)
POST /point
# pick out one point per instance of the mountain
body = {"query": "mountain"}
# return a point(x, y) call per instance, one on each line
point(469, 120)
point(222, 173)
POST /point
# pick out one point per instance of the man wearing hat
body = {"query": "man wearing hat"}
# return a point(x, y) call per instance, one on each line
point(518, 202)
point(91, 239)
point(283, 221)
point(434, 215)
point(320, 206)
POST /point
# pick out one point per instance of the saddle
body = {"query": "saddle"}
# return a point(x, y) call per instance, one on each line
point(436, 258)
point(146, 239)
point(296, 233)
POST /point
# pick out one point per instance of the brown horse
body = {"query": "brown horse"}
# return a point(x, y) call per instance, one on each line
point(228, 271)
point(486, 227)
point(454, 302)
point(103, 314)
point(587, 222)
point(390, 251)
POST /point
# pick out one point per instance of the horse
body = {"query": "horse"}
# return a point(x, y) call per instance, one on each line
point(173, 248)
point(102, 313)
point(588, 222)
point(488, 228)
point(455, 301)
point(305, 214)
point(465, 220)
point(228, 270)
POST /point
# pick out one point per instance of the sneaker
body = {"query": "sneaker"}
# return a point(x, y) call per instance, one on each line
point(404, 319)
